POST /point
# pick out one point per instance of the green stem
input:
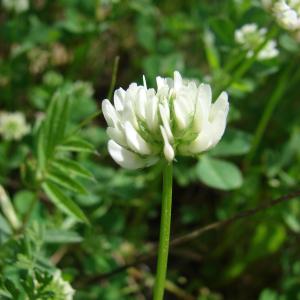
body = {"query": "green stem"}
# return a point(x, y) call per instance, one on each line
point(113, 77)
point(281, 87)
point(164, 237)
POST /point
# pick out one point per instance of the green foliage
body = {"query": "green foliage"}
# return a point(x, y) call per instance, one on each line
point(54, 171)
point(68, 207)
point(218, 173)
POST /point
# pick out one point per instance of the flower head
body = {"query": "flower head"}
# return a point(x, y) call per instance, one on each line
point(18, 6)
point(62, 288)
point(250, 37)
point(13, 126)
point(178, 118)
point(286, 12)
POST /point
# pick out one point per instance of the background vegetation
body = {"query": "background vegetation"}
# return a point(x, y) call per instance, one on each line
point(66, 205)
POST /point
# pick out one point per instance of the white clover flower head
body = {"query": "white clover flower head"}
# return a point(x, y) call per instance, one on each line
point(13, 126)
point(18, 6)
point(250, 37)
point(178, 118)
point(286, 12)
point(62, 288)
point(247, 33)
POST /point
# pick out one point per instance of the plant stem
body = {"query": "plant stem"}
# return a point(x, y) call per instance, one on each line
point(164, 237)
point(279, 90)
point(113, 77)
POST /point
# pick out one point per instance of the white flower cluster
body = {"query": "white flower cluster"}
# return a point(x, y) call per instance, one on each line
point(286, 12)
point(64, 288)
point(13, 126)
point(17, 6)
point(61, 288)
point(177, 118)
point(250, 37)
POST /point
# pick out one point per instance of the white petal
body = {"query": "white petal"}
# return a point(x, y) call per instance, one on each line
point(200, 144)
point(160, 82)
point(135, 141)
point(144, 82)
point(168, 149)
point(128, 114)
point(221, 105)
point(117, 135)
point(218, 118)
point(202, 106)
point(218, 128)
point(110, 114)
point(205, 96)
point(239, 36)
point(177, 80)
point(125, 158)
point(182, 116)
point(263, 31)
point(165, 117)
point(165, 105)
point(119, 97)
point(141, 103)
point(152, 113)
point(185, 104)
point(132, 86)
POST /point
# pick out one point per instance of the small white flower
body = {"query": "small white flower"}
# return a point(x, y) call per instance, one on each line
point(250, 37)
point(62, 288)
point(18, 6)
point(65, 286)
point(13, 126)
point(269, 51)
point(286, 12)
point(178, 118)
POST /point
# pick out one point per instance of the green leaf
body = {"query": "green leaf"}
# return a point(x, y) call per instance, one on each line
point(4, 294)
point(4, 225)
point(289, 43)
point(62, 179)
point(218, 173)
point(72, 167)
point(223, 28)
point(62, 118)
point(49, 126)
point(211, 50)
point(233, 143)
point(56, 121)
point(77, 145)
point(62, 236)
point(146, 33)
point(267, 238)
point(268, 294)
point(22, 201)
point(10, 286)
point(41, 149)
point(63, 202)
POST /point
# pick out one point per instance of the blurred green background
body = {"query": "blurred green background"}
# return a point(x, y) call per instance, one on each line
point(48, 47)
